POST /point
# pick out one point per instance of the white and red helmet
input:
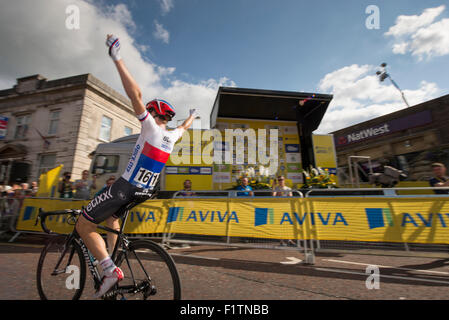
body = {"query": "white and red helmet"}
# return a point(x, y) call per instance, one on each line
point(162, 108)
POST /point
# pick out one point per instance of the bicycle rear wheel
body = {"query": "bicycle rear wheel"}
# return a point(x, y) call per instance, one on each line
point(148, 267)
point(61, 271)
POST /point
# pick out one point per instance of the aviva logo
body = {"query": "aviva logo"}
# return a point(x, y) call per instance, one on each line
point(175, 214)
point(263, 216)
point(377, 217)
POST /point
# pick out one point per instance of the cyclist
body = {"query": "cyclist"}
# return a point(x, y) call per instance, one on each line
point(151, 152)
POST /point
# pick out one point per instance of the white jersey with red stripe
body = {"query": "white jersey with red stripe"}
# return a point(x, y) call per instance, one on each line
point(151, 152)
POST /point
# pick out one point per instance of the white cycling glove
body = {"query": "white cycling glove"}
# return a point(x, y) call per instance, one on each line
point(194, 113)
point(113, 44)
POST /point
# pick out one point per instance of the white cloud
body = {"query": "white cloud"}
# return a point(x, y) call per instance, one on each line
point(420, 35)
point(166, 5)
point(359, 96)
point(409, 24)
point(161, 33)
point(36, 41)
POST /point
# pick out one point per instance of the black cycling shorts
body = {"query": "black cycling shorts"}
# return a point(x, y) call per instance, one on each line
point(112, 201)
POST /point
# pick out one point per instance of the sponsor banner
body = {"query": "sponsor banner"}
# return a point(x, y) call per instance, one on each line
point(222, 167)
point(411, 220)
point(150, 215)
point(292, 148)
point(294, 167)
point(420, 220)
point(188, 170)
point(221, 177)
point(295, 177)
point(293, 130)
point(323, 151)
point(410, 121)
point(293, 157)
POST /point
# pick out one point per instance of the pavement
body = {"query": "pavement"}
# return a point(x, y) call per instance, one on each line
point(231, 273)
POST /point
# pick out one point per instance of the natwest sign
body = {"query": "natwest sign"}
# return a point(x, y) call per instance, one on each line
point(413, 120)
point(371, 132)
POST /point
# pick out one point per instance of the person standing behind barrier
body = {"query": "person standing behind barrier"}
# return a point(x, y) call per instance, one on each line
point(109, 183)
point(65, 187)
point(84, 186)
point(34, 188)
point(187, 191)
point(280, 189)
point(244, 187)
point(440, 179)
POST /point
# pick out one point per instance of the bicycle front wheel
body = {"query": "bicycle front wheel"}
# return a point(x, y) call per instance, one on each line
point(61, 271)
point(150, 270)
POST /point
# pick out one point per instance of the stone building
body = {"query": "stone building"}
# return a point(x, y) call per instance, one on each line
point(47, 123)
point(409, 139)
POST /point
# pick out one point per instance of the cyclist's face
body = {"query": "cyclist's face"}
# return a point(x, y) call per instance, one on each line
point(159, 119)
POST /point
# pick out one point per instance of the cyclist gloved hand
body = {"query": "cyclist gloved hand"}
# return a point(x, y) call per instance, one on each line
point(194, 113)
point(113, 44)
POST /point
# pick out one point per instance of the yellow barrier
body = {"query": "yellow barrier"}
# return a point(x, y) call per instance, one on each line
point(412, 220)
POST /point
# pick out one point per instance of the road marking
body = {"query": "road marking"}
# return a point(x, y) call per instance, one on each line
point(193, 256)
point(293, 260)
point(181, 255)
point(382, 276)
point(399, 268)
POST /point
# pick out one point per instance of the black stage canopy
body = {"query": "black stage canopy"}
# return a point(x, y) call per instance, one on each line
point(274, 105)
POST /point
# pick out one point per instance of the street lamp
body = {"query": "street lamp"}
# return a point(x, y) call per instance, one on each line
point(383, 75)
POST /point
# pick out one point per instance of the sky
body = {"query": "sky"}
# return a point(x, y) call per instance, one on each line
point(184, 50)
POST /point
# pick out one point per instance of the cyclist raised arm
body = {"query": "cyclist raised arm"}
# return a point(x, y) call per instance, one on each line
point(151, 152)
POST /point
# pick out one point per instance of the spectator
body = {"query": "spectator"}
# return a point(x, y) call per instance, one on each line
point(84, 186)
point(9, 204)
point(440, 179)
point(34, 188)
point(65, 187)
point(280, 189)
point(26, 191)
point(109, 183)
point(187, 191)
point(9, 191)
point(244, 187)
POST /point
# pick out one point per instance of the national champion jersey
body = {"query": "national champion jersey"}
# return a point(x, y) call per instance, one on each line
point(151, 152)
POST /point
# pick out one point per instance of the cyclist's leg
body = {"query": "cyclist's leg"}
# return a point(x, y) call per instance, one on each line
point(92, 239)
point(113, 223)
point(100, 209)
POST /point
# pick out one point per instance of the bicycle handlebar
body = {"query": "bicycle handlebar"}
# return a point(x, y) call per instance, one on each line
point(42, 216)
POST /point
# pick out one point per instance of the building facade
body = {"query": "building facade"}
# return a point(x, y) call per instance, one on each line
point(409, 140)
point(47, 123)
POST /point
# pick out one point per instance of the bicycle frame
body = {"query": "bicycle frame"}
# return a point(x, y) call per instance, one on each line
point(122, 241)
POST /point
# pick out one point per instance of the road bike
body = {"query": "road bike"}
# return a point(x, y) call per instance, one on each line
point(150, 272)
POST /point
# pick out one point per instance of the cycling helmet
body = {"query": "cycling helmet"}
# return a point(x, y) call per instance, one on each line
point(162, 108)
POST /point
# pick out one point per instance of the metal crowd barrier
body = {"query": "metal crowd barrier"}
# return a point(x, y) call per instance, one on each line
point(308, 247)
point(9, 213)
point(312, 246)
point(382, 248)
point(246, 242)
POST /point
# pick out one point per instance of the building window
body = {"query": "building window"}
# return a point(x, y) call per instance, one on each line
point(128, 131)
point(105, 130)
point(54, 120)
point(22, 126)
point(46, 162)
